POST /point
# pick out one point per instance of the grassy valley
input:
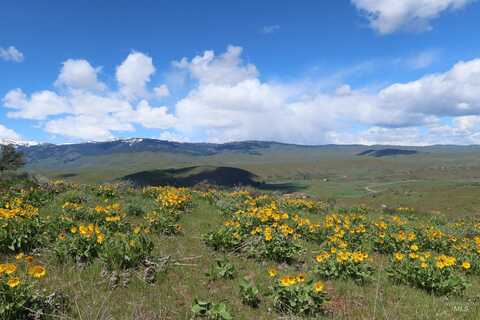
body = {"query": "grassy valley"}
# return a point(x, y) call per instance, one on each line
point(252, 232)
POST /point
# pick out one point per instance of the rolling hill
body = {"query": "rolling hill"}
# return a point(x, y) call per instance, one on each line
point(442, 176)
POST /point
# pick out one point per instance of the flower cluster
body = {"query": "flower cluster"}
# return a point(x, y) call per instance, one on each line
point(438, 274)
point(343, 264)
point(18, 281)
point(261, 229)
point(294, 294)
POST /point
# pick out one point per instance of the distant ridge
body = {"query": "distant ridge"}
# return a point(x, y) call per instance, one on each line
point(151, 152)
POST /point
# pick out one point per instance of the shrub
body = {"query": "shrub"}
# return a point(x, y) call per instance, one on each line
point(222, 269)
point(19, 296)
point(296, 296)
point(135, 208)
point(81, 242)
point(344, 265)
point(436, 274)
point(20, 228)
point(210, 310)
point(249, 293)
point(10, 158)
point(121, 251)
point(163, 223)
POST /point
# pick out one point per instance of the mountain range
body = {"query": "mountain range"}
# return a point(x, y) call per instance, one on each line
point(64, 153)
point(111, 160)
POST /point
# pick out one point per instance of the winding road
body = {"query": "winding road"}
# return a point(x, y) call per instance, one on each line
point(369, 188)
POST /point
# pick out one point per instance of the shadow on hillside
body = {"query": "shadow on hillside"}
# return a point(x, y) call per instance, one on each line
point(218, 176)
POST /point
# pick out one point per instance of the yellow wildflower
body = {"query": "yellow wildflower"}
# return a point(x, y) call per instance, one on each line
point(13, 282)
point(272, 272)
point(318, 287)
point(37, 271)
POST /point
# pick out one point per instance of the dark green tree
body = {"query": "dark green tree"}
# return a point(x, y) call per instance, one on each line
point(10, 158)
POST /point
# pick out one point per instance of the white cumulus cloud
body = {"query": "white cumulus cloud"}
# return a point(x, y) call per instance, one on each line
point(38, 106)
point(84, 108)
point(8, 134)
point(388, 16)
point(227, 100)
point(11, 54)
point(228, 68)
point(238, 106)
point(79, 74)
point(134, 74)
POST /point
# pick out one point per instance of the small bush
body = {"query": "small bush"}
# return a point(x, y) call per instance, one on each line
point(296, 296)
point(222, 269)
point(249, 293)
point(210, 310)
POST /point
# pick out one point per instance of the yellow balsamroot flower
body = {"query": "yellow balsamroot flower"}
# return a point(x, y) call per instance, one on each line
point(13, 282)
point(268, 233)
point(423, 265)
point(400, 236)
point(359, 256)
point(342, 244)
point(300, 278)
point(100, 209)
point(256, 231)
point(381, 225)
point(83, 230)
point(444, 261)
point(322, 257)
point(286, 229)
point(318, 287)
point(100, 238)
point(343, 256)
point(414, 247)
point(8, 268)
point(73, 229)
point(112, 218)
point(272, 272)
point(287, 281)
point(37, 271)
point(466, 265)
point(413, 255)
point(411, 236)
point(399, 256)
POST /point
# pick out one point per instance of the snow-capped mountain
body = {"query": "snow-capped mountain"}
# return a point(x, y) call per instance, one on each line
point(19, 143)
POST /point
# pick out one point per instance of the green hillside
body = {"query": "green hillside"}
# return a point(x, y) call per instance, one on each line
point(436, 178)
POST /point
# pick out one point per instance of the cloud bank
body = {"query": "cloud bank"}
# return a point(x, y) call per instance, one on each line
point(227, 100)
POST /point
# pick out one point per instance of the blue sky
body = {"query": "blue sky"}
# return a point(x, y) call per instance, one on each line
point(312, 72)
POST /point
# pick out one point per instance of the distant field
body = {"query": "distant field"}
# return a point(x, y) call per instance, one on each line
point(440, 179)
